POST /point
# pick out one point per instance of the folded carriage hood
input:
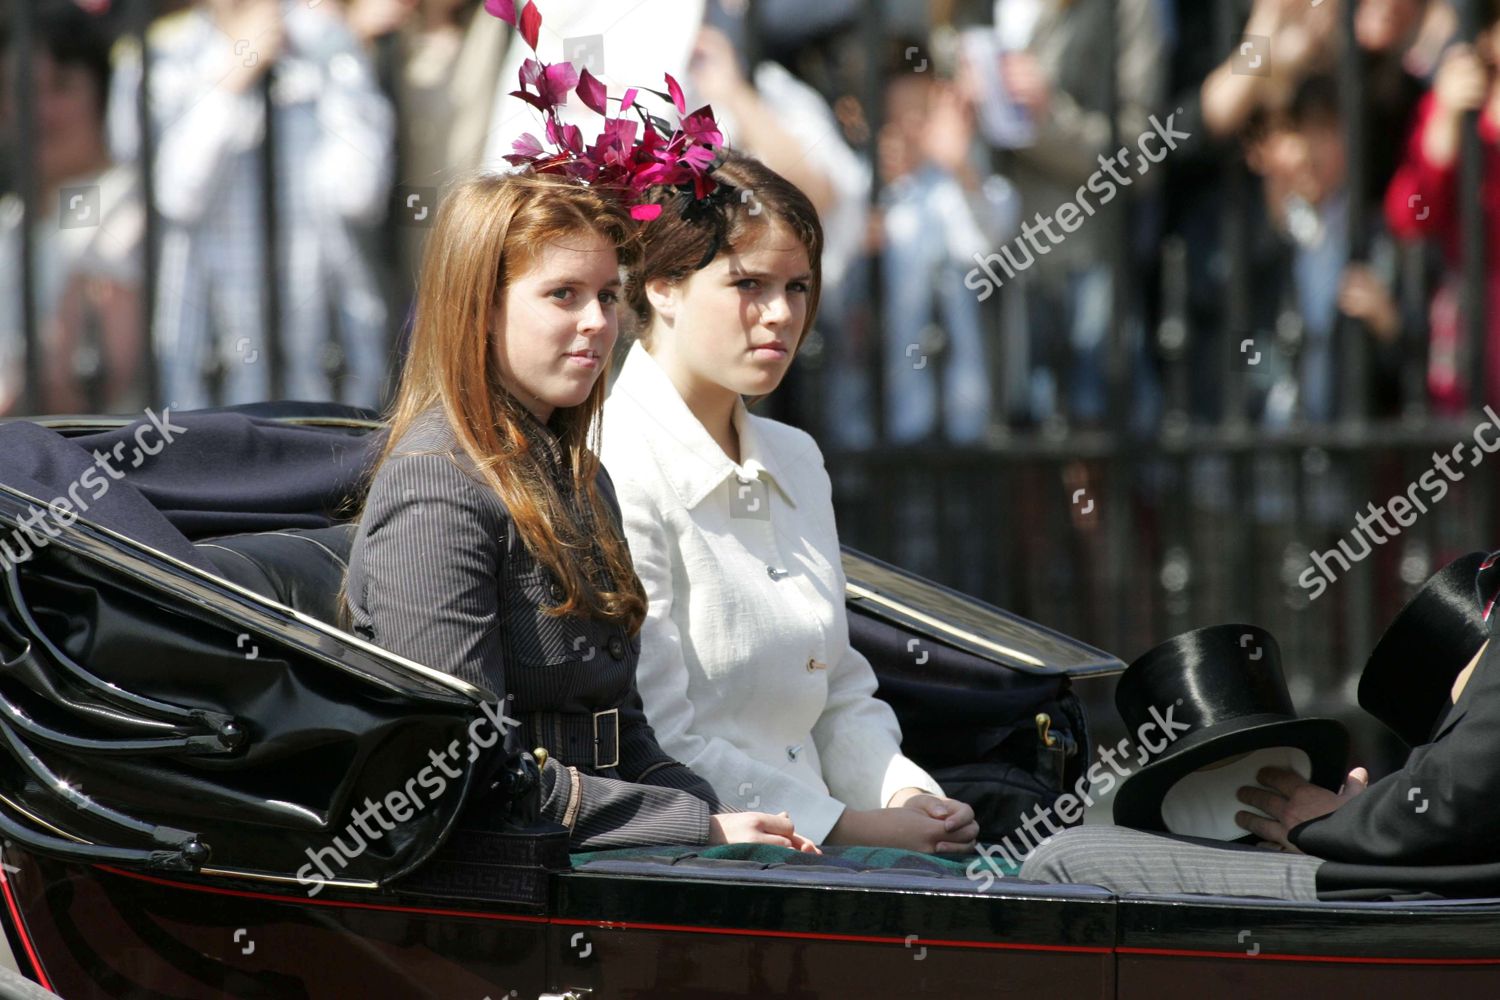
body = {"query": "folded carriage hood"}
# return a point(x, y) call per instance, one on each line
point(153, 713)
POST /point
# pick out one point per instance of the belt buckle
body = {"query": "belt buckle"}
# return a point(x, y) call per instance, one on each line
point(616, 762)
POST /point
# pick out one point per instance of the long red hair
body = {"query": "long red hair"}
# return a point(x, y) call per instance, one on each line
point(488, 231)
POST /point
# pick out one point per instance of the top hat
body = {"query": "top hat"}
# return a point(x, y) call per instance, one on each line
point(1409, 675)
point(1224, 682)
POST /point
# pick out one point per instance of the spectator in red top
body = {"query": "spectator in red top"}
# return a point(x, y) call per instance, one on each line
point(1423, 201)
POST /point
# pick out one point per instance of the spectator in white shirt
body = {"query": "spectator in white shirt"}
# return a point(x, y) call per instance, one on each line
point(746, 669)
point(334, 134)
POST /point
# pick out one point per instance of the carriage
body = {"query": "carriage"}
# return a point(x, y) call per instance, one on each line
point(185, 726)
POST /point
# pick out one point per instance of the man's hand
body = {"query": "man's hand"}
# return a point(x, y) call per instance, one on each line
point(1364, 296)
point(1027, 82)
point(949, 133)
point(1459, 86)
point(1461, 81)
point(1290, 801)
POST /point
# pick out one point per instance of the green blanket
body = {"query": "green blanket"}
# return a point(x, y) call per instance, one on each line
point(856, 859)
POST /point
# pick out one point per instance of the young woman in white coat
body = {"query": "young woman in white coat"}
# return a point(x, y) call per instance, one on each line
point(746, 669)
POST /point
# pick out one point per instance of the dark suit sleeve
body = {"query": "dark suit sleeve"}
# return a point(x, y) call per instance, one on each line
point(430, 556)
point(431, 584)
point(1441, 808)
point(614, 813)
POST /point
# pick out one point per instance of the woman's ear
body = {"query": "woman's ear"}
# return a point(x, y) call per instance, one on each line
point(662, 294)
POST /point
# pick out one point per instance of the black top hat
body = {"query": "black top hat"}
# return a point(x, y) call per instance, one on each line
point(1409, 675)
point(1224, 681)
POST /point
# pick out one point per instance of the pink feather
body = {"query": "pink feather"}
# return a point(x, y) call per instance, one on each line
point(505, 10)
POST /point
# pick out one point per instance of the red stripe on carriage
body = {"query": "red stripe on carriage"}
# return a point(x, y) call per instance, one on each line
point(600, 924)
point(15, 917)
point(626, 925)
point(799, 935)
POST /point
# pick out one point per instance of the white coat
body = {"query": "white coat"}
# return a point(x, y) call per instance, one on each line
point(746, 669)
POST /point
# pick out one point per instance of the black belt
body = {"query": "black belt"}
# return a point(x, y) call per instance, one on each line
point(582, 739)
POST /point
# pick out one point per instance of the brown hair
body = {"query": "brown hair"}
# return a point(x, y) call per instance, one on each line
point(488, 230)
point(686, 237)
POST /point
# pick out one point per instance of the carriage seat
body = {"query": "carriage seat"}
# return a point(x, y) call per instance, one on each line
point(302, 568)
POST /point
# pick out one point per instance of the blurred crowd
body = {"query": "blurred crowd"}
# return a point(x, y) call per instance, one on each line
point(1217, 241)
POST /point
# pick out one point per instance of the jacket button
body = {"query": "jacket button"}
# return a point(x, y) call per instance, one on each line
point(774, 573)
point(793, 750)
point(816, 665)
point(617, 647)
point(557, 591)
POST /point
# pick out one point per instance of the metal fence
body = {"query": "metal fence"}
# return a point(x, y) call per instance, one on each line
point(1124, 538)
point(1120, 536)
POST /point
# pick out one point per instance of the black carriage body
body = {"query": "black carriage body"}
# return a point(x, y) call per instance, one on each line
point(453, 912)
point(100, 931)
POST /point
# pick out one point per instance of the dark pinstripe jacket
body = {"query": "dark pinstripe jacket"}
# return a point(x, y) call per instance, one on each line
point(439, 575)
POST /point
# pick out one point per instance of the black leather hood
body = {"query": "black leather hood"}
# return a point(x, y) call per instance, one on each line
point(153, 713)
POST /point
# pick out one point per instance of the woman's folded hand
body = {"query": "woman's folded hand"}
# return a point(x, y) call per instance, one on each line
point(909, 827)
point(961, 829)
point(758, 828)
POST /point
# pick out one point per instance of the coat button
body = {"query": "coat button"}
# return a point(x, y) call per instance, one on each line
point(617, 647)
point(816, 665)
point(557, 591)
point(793, 751)
point(774, 573)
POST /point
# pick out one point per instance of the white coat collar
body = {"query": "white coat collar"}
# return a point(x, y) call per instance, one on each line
point(693, 462)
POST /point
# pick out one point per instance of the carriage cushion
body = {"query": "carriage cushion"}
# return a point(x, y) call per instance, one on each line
point(834, 858)
point(302, 568)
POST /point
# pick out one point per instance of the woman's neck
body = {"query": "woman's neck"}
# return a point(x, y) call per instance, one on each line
point(712, 403)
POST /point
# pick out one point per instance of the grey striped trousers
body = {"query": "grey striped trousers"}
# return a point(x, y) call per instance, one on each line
point(1124, 860)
